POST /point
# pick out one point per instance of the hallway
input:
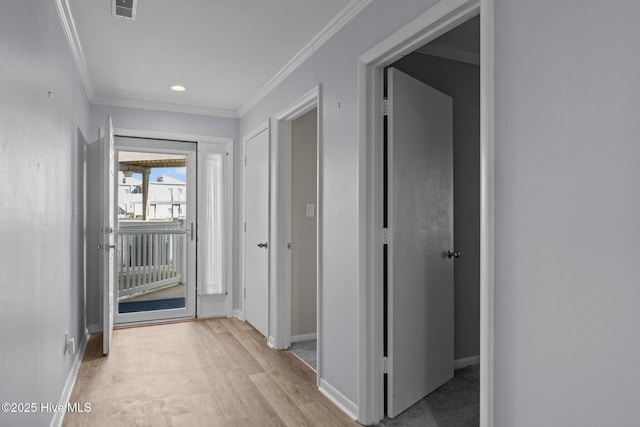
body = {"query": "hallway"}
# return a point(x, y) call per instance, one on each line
point(213, 372)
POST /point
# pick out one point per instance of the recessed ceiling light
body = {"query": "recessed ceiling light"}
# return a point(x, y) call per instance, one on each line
point(178, 88)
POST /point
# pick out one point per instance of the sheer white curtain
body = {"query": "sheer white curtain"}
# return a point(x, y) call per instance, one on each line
point(212, 225)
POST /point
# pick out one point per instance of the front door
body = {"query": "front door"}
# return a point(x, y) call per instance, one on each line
point(420, 233)
point(256, 243)
point(155, 230)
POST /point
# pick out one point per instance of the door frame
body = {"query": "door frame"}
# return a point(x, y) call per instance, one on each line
point(280, 334)
point(440, 18)
point(240, 313)
point(229, 144)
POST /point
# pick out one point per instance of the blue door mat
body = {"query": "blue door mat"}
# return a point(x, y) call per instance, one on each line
point(152, 305)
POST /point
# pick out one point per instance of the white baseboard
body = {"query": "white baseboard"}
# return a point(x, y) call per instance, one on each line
point(239, 314)
point(58, 417)
point(467, 361)
point(94, 327)
point(271, 342)
point(214, 316)
point(304, 337)
point(339, 399)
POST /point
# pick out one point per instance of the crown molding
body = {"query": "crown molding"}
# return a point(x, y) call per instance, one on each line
point(161, 106)
point(335, 25)
point(69, 29)
point(68, 26)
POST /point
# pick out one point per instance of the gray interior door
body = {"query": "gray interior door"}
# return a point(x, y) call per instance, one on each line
point(420, 222)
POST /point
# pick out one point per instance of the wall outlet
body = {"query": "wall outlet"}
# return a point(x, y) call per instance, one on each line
point(69, 344)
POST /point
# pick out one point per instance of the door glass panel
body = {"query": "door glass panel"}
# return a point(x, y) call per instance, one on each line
point(151, 231)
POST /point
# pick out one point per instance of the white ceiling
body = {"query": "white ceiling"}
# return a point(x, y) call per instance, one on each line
point(223, 51)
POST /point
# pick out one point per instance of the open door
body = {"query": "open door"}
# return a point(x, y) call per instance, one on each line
point(107, 238)
point(256, 237)
point(420, 234)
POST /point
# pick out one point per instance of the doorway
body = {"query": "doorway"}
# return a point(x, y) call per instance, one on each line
point(300, 120)
point(433, 158)
point(436, 21)
point(155, 230)
point(157, 248)
point(303, 237)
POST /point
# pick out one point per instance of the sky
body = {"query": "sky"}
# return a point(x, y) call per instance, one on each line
point(178, 173)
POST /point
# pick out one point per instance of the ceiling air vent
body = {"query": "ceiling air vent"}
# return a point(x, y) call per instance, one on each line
point(124, 8)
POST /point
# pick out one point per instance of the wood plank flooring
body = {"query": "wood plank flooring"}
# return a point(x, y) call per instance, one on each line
point(213, 372)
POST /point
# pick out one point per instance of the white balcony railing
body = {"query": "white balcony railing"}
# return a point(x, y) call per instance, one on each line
point(149, 256)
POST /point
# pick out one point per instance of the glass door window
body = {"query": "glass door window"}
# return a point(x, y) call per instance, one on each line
point(155, 256)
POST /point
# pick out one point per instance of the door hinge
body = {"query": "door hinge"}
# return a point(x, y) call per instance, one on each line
point(245, 226)
point(385, 106)
point(245, 160)
point(385, 365)
point(245, 292)
point(385, 236)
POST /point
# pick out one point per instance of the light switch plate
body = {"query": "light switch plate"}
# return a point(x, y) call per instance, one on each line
point(310, 210)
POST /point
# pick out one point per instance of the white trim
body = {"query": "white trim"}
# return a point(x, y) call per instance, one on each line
point(164, 106)
point(58, 416)
point(434, 22)
point(467, 361)
point(339, 399)
point(69, 29)
point(258, 129)
point(271, 342)
point(487, 214)
point(304, 337)
point(238, 314)
point(302, 105)
point(335, 25)
point(171, 136)
point(439, 18)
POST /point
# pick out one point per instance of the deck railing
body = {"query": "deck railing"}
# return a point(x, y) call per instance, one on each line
point(149, 256)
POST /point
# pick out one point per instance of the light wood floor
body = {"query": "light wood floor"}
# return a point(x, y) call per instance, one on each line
point(214, 372)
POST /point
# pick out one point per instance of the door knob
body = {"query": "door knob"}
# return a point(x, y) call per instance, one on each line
point(262, 245)
point(453, 254)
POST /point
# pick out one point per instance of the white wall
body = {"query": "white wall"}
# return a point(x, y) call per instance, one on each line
point(157, 121)
point(42, 145)
point(567, 207)
point(567, 213)
point(334, 66)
